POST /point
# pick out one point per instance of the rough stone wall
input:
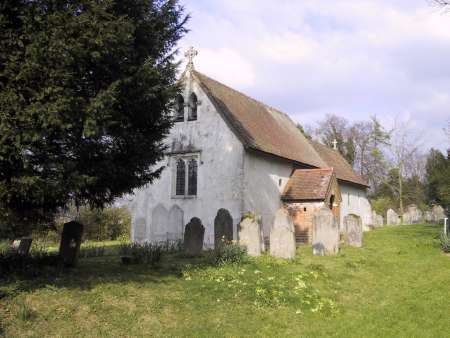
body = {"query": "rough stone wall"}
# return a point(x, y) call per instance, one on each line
point(262, 188)
point(355, 201)
point(220, 175)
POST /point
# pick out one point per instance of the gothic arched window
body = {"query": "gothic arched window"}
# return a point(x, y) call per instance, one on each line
point(180, 177)
point(193, 102)
point(179, 109)
point(192, 177)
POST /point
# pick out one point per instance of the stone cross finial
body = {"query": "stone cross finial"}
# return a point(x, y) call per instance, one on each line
point(335, 144)
point(190, 54)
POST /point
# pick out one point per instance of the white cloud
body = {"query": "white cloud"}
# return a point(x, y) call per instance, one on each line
point(351, 57)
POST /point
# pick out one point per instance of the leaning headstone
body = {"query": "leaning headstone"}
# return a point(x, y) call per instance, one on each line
point(22, 246)
point(70, 243)
point(223, 227)
point(392, 217)
point(250, 235)
point(438, 213)
point(282, 236)
point(325, 233)
point(193, 237)
point(353, 230)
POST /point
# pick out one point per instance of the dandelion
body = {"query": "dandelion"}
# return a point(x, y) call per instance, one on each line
point(270, 278)
point(299, 312)
point(257, 272)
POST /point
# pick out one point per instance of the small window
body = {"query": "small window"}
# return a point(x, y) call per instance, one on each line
point(193, 102)
point(185, 176)
point(304, 209)
point(180, 178)
point(192, 177)
point(179, 109)
point(279, 182)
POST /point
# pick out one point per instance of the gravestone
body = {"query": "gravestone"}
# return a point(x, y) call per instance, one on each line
point(22, 246)
point(413, 215)
point(160, 218)
point(176, 223)
point(325, 239)
point(140, 230)
point(353, 230)
point(193, 237)
point(282, 236)
point(380, 220)
point(428, 216)
point(250, 235)
point(223, 227)
point(377, 220)
point(70, 243)
point(438, 213)
point(392, 217)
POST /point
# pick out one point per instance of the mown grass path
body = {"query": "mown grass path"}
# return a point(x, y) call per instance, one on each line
point(397, 285)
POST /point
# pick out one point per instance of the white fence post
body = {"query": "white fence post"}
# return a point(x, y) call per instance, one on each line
point(445, 226)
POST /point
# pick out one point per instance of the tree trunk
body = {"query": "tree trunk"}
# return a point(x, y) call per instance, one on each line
point(400, 192)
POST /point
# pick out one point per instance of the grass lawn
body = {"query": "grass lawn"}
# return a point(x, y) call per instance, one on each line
point(397, 285)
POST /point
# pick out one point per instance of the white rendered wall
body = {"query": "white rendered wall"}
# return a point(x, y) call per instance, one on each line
point(355, 201)
point(220, 173)
point(262, 188)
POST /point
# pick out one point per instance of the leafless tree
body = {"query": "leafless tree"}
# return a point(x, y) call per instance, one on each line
point(404, 149)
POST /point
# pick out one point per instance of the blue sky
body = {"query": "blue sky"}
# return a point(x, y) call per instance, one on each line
point(353, 58)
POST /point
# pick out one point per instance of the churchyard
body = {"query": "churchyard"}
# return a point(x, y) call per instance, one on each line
point(396, 285)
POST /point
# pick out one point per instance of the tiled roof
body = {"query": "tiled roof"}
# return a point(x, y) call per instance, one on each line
point(259, 126)
point(266, 129)
point(308, 184)
point(342, 168)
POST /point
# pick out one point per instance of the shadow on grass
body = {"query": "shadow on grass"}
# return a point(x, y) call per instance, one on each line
point(93, 271)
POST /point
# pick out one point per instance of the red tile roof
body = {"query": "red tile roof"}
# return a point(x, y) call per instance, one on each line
point(308, 184)
point(266, 129)
point(343, 170)
point(259, 126)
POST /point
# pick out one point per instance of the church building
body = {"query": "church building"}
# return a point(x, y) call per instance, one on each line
point(229, 151)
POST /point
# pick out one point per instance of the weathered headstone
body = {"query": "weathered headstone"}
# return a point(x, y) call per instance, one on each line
point(193, 237)
point(160, 218)
point(380, 220)
point(70, 243)
point(438, 213)
point(353, 230)
point(325, 233)
point(392, 217)
point(176, 223)
point(22, 246)
point(250, 235)
point(413, 215)
point(139, 230)
point(223, 227)
point(282, 236)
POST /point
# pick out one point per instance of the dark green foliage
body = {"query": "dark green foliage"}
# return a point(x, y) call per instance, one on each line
point(85, 98)
point(445, 242)
point(228, 253)
point(413, 192)
point(146, 253)
point(26, 266)
point(438, 178)
point(105, 224)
